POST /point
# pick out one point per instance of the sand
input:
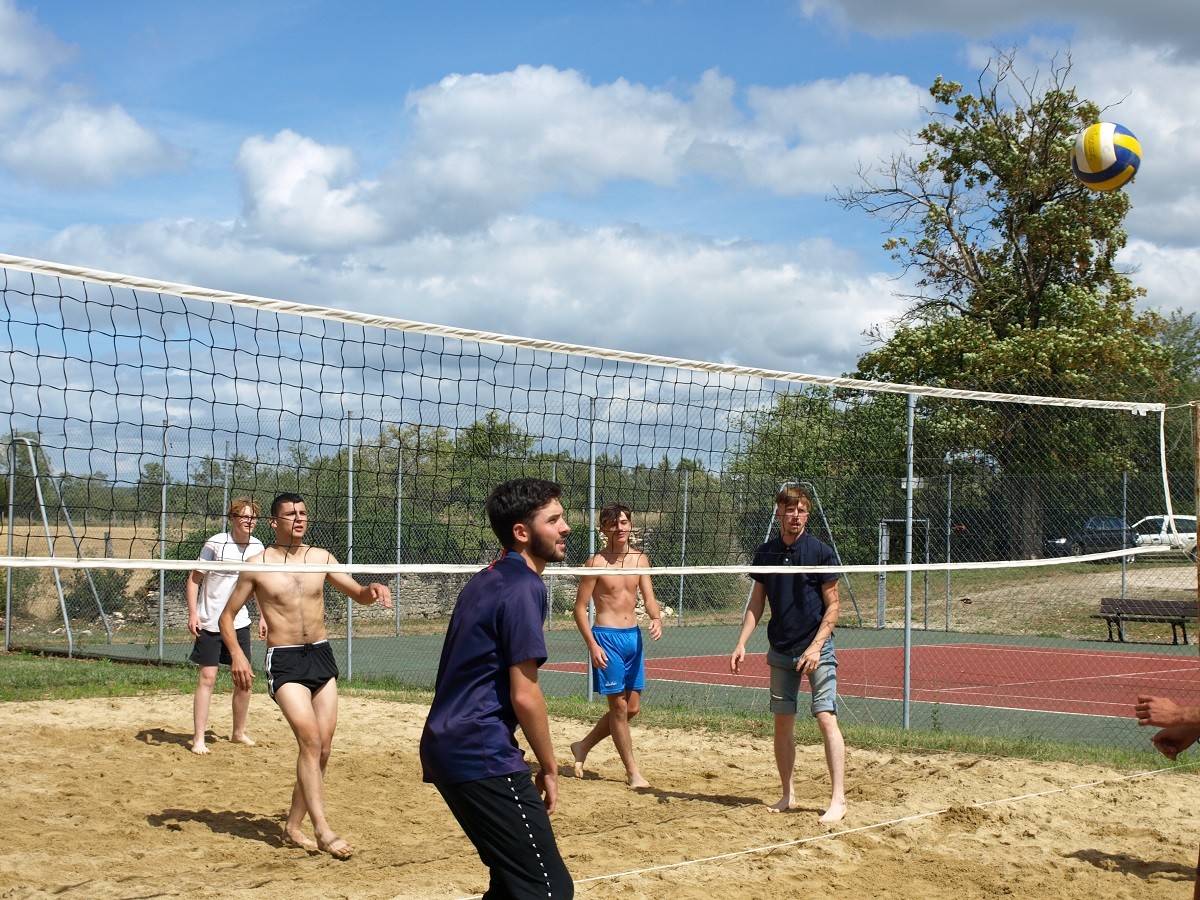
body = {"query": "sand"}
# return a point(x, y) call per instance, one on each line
point(103, 799)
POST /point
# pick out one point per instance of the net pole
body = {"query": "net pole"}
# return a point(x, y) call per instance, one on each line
point(399, 531)
point(349, 540)
point(12, 471)
point(591, 522)
point(36, 475)
point(908, 536)
point(162, 549)
point(550, 603)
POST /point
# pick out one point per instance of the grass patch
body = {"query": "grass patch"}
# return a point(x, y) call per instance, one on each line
point(30, 676)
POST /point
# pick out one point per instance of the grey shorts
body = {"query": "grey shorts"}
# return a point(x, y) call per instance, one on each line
point(785, 682)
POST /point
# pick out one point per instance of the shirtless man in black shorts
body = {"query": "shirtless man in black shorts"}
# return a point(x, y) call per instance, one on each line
point(301, 670)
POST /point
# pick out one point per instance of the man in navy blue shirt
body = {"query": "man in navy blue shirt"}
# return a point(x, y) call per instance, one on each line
point(487, 685)
point(804, 610)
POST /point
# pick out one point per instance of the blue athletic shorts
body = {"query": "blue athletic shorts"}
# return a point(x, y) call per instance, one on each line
point(785, 682)
point(626, 670)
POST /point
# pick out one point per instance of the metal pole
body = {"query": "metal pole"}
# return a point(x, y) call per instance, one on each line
point(908, 529)
point(884, 556)
point(349, 541)
point(949, 526)
point(400, 531)
point(1195, 487)
point(1124, 527)
point(550, 589)
point(41, 500)
point(591, 523)
point(162, 547)
point(12, 473)
point(225, 493)
point(683, 542)
point(87, 573)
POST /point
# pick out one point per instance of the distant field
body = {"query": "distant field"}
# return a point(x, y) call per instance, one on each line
point(140, 541)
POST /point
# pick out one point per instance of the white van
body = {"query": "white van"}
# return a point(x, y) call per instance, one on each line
point(1156, 531)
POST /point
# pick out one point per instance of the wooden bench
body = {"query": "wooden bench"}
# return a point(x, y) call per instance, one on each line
point(1176, 613)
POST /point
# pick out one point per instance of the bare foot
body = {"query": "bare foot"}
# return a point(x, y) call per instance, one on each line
point(338, 848)
point(243, 739)
point(835, 813)
point(784, 804)
point(637, 781)
point(199, 749)
point(580, 755)
point(297, 839)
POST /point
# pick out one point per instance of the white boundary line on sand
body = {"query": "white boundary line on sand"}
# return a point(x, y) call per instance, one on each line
point(873, 827)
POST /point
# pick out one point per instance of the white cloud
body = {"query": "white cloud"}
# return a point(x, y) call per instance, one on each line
point(485, 146)
point(27, 51)
point(1149, 22)
point(796, 308)
point(49, 134)
point(1169, 275)
point(300, 195)
point(83, 146)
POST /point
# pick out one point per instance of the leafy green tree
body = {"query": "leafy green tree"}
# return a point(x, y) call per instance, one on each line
point(493, 438)
point(1017, 288)
point(107, 588)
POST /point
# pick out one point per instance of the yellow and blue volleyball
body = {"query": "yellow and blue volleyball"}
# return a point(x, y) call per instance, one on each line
point(1106, 156)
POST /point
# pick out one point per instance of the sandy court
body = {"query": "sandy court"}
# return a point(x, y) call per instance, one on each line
point(103, 799)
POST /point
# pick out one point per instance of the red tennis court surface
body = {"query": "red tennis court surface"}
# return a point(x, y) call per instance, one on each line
point(1084, 682)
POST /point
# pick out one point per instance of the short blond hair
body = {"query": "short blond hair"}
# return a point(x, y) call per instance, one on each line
point(237, 504)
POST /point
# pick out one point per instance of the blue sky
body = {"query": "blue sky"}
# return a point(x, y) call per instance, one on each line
point(646, 176)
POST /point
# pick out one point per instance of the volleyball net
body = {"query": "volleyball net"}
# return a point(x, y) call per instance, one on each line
point(136, 409)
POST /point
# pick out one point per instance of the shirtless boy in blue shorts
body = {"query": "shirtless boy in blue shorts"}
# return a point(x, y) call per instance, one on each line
point(614, 640)
point(301, 670)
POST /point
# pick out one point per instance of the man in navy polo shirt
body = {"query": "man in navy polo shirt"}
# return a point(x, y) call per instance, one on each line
point(804, 610)
point(487, 684)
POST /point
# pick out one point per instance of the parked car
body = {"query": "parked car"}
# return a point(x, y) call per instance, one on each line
point(1157, 531)
point(1098, 535)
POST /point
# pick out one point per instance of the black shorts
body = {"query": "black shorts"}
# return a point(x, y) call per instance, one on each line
point(210, 650)
point(311, 665)
point(506, 820)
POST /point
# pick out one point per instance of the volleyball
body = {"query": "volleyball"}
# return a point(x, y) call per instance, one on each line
point(1106, 156)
